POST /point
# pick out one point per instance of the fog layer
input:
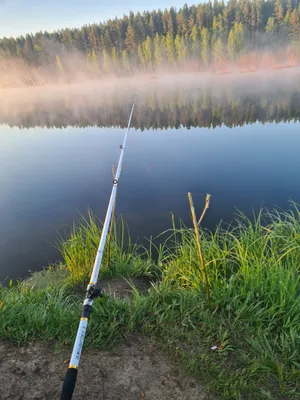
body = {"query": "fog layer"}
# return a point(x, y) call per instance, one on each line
point(168, 100)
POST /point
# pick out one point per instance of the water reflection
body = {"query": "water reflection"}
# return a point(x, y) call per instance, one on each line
point(48, 175)
point(159, 106)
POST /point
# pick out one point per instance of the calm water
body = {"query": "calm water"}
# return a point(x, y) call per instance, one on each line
point(47, 176)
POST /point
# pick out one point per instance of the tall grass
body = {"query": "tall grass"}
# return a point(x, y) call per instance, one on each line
point(80, 248)
point(253, 269)
point(254, 320)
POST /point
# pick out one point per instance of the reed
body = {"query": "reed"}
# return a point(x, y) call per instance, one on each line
point(197, 236)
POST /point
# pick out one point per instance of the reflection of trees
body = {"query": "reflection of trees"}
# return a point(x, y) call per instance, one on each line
point(160, 109)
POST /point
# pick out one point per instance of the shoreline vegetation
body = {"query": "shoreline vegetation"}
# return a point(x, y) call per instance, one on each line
point(245, 344)
point(210, 36)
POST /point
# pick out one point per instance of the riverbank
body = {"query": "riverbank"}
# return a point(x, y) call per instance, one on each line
point(244, 345)
point(135, 369)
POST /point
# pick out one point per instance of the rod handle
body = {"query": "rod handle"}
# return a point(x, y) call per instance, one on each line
point(69, 384)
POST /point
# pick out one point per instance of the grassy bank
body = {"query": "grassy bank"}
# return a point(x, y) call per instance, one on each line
point(253, 319)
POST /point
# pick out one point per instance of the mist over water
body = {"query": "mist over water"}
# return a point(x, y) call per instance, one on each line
point(168, 100)
point(233, 136)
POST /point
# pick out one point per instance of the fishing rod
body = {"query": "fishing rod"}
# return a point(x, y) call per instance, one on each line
point(92, 292)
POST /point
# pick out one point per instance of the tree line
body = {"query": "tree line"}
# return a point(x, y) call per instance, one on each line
point(192, 37)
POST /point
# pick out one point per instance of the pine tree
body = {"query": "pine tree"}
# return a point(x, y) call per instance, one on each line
point(270, 30)
point(195, 42)
point(153, 24)
point(59, 66)
point(205, 39)
point(170, 48)
point(130, 39)
point(278, 11)
point(93, 40)
point(236, 41)
point(178, 48)
point(253, 20)
point(271, 26)
point(148, 52)
point(165, 20)
point(92, 61)
point(106, 62)
point(184, 51)
point(115, 60)
point(258, 11)
point(141, 57)
point(125, 59)
point(28, 49)
point(231, 45)
point(158, 54)
point(294, 22)
point(218, 51)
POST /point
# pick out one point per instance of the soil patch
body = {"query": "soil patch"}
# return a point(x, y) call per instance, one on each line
point(119, 287)
point(136, 370)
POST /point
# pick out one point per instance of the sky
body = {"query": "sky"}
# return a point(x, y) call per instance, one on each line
point(18, 17)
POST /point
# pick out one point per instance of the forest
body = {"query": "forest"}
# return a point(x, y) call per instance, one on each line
point(249, 33)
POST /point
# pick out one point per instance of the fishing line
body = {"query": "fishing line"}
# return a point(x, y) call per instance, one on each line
point(92, 292)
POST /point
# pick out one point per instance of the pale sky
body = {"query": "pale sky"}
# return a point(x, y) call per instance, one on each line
point(18, 17)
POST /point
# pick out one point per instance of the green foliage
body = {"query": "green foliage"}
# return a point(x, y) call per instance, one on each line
point(59, 67)
point(148, 52)
point(80, 249)
point(125, 60)
point(279, 11)
point(106, 62)
point(253, 268)
point(195, 29)
point(205, 45)
point(195, 37)
point(236, 41)
point(218, 51)
point(271, 25)
point(43, 314)
point(294, 22)
point(130, 39)
point(94, 60)
point(170, 48)
point(115, 60)
point(29, 49)
point(141, 57)
point(158, 51)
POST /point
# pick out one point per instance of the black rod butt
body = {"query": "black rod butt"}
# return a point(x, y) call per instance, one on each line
point(69, 384)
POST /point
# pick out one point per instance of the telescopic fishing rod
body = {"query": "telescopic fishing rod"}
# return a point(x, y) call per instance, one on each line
point(92, 292)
